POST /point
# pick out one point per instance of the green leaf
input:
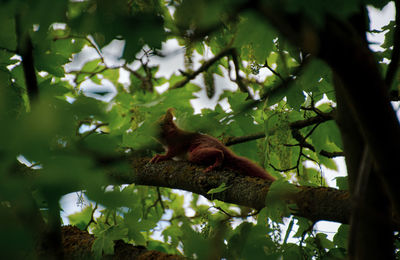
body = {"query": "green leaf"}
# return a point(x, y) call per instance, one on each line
point(295, 97)
point(112, 19)
point(92, 66)
point(8, 38)
point(342, 183)
point(52, 63)
point(81, 218)
point(323, 241)
point(279, 192)
point(256, 35)
point(303, 225)
point(219, 189)
point(105, 240)
point(325, 135)
point(341, 237)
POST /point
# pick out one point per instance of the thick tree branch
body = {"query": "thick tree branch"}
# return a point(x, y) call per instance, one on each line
point(315, 203)
point(77, 244)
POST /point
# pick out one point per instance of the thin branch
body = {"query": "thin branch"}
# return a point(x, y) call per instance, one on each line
point(203, 67)
point(273, 71)
point(97, 126)
point(223, 211)
point(91, 43)
point(160, 199)
point(295, 126)
point(239, 79)
point(286, 83)
point(320, 118)
point(394, 63)
point(282, 170)
point(242, 139)
point(91, 217)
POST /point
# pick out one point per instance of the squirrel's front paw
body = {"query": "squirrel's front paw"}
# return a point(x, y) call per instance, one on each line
point(208, 169)
point(157, 158)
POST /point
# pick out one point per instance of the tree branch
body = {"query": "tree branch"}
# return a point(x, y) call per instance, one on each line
point(315, 203)
point(77, 244)
point(242, 139)
point(239, 79)
point(296, 125)
point(203, 67)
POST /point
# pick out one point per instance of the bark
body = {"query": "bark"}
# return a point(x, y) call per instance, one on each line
point(77, 244)
point(371, 207)
point(314, 203)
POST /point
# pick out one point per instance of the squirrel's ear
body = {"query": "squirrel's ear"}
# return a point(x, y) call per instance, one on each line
point(170, 114)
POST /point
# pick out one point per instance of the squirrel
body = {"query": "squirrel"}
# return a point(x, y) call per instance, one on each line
point(201, 149)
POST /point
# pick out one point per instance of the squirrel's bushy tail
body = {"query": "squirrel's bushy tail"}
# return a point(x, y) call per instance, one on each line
point(248, 167)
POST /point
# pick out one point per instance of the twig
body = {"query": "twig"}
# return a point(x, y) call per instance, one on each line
point(203, 67)
point(273, 71)
point(91, 217)
point(239, 79)
point(282, 170)
point(160, 199)
point(223, 211)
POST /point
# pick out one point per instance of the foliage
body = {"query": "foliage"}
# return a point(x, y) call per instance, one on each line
point(56, 144)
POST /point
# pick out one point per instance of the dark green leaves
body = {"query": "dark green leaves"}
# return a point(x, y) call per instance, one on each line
point(106, 20)
point(254, 37)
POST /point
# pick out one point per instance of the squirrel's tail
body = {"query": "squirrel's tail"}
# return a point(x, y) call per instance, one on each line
point(248, 167)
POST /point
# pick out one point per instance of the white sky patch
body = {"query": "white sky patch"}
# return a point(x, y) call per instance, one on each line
point(378, 19)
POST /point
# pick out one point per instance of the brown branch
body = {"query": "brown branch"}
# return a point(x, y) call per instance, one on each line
point(207, 64)
point(320, 118)
point(77, 244)
point(273, 71)
point(242, 139)
point(239, 79)
point(203, 67)
point(92, 220)
point(286, 82)
point(314, 203)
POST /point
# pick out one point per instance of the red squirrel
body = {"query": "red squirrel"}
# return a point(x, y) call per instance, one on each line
point(202, 149)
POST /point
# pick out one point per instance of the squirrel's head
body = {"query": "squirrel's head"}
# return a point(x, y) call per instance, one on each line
point(166, 122)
